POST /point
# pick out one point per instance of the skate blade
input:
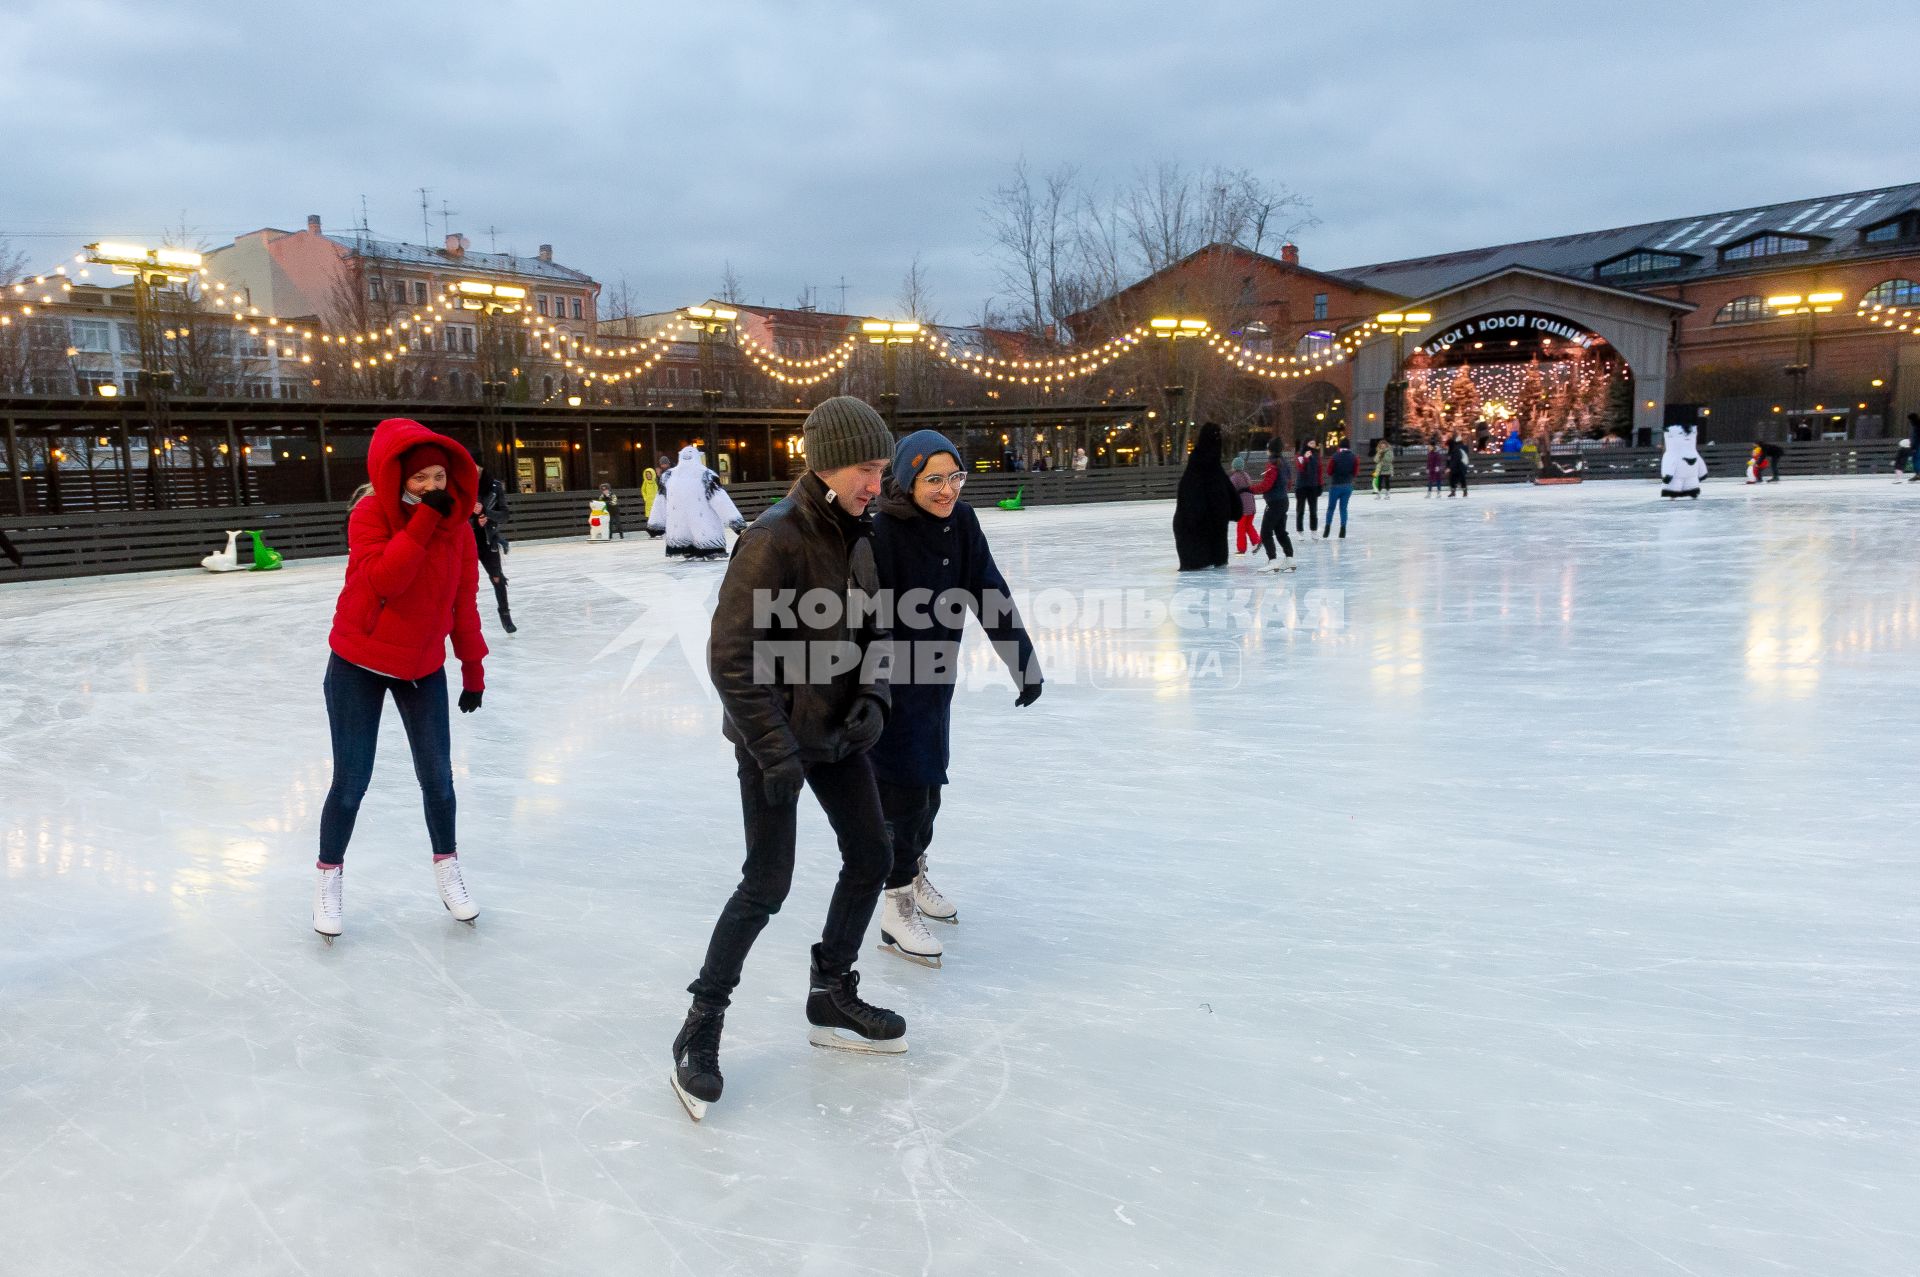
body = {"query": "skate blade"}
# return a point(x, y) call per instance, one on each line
point(458, 918)
point(920, 960)
point(696, 1109)
point(329, 939)
point(863, 1046)
point(952, 919)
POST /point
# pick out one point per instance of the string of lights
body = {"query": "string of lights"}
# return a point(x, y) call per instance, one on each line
point(760, 351)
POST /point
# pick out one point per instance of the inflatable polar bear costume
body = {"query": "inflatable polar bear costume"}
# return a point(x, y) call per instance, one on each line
point(1681, 468)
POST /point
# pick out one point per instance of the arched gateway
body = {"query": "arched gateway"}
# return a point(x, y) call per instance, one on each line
point(1523, 345)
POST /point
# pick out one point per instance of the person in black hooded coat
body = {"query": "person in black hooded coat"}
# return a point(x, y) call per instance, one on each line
point(1205, 507)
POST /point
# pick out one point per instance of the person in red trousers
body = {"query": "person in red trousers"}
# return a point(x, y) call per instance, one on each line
point(412, 571)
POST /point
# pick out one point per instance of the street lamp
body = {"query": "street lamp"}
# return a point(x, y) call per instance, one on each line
point(1399, 323)
point(890, 335)
point(1171, 329)
point(712, 321)
point(149, 267)
point(1811, 305)
point(489, 299)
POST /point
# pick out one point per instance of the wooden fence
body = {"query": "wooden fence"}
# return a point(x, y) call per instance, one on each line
point(89, 544)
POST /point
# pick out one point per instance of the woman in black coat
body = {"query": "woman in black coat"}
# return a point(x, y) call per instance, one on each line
point(928, 546)
point(1205, 507)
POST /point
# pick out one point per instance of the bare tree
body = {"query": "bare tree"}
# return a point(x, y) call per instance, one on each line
point(916, 296)
point(732, 290)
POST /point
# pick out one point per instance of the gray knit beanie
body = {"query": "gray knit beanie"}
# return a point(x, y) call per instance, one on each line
point(844, 431)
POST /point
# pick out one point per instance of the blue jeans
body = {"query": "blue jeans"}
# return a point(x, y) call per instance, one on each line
point(355, 698)
point(1337, 498)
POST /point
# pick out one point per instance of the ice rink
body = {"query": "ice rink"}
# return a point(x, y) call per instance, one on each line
point(1525, 886)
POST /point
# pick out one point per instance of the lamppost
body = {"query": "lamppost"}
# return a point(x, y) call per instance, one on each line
point(148, 267)
point(712, 321)
point(1171, 329)
point(890, 335)
point(1811, 305)
point(490, 299)
point(1393, 413)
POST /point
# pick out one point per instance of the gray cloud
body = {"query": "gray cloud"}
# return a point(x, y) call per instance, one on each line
point(810, 141)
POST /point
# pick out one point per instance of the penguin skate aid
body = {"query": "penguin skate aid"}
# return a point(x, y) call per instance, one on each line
point(805, 729)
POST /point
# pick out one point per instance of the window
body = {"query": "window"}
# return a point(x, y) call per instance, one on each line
point(251, 346)
point(1314, 344)
point(463, 335)
point(541, 301)
point(89, 334)
point(546, 386)
point(1641, 263)
point(1319, 305)
point(129, 339)
point(1893, 292)
point(1768, 245)
point(577, 312)
point(376, 289)
point(1742, 310)
point(419, 292)
point(1895, 229)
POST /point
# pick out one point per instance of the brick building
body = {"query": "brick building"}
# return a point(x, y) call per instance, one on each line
point(1678, 307)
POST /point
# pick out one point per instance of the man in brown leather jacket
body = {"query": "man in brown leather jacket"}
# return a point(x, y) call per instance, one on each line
point(799, 653)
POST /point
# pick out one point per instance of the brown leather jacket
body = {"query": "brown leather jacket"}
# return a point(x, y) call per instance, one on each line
point(802, 543)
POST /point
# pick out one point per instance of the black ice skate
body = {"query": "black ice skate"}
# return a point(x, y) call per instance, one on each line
point(841, 1020)
point(696, 1059)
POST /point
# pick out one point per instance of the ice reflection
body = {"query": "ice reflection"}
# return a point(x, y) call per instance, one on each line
point(1784, 636)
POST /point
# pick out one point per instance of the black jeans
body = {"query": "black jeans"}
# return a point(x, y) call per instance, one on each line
point(1274, 524)
point(1309, 508)
point(355, 698)
point(848, 795)
point(1457, 481)
point(910, 811)
point(490, 564)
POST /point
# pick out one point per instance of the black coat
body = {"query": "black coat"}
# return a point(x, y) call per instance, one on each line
point(1205, 506)
point(915, 551)
point(802, 542)
point(490, 539)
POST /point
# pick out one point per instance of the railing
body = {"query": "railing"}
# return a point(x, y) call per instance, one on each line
point(1724, 461)
point(89, 544)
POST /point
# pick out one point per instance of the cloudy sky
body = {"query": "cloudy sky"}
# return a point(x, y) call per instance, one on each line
point(808, 143)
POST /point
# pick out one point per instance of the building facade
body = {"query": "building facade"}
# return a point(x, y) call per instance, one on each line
point(359, 285)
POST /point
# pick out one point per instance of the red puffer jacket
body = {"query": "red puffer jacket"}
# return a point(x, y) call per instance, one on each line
point(411, 575)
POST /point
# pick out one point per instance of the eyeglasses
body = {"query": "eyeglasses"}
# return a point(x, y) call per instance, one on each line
point(957, 480)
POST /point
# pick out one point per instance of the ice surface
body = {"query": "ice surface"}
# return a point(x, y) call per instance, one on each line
point(1540, 899)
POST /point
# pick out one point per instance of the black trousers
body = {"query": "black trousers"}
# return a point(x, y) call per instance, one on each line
point(848, 795)
point(1274, 524)
point(1457, 481)
point(910, 811)
point(1309, 508)
point(490, 564)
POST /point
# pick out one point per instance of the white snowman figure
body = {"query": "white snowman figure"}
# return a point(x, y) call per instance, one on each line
point(1681, 466)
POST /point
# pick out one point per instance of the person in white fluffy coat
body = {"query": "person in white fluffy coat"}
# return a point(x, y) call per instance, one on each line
point(1681, 466)
point(698, 509)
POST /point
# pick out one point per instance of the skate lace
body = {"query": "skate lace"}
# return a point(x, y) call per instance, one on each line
point(915, 925)
point(452, 885)
point(330, 894)
point(926, 884)
point(847, 994)
point(702, 1051)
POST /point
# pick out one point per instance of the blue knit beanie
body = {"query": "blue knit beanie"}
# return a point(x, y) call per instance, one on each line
point(918, 448)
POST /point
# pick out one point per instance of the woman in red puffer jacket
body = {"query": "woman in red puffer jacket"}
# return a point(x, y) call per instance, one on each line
point(412, 571)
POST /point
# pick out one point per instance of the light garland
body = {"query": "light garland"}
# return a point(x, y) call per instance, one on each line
point(1897, 318)
point(1084, 361)
point(842, 352)
point(842, 357)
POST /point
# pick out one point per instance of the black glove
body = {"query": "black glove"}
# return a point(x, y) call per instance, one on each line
point(782, 781)
point(865, 721)
point(738, 525)
point(470, 701)
point(438, 500)
point(1028, 695)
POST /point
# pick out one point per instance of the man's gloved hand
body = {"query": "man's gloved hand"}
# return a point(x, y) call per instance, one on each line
point(865, 721)
point(1028, 695)
point(470, 701)
point(438, 500)
point(782, 781)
